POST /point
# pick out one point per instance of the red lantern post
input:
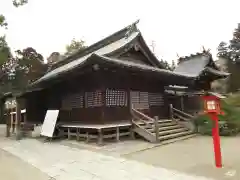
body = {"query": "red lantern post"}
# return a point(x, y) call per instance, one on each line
point(212, 107)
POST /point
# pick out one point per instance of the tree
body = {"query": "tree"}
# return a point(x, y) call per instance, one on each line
point(20, 71)
point(30, 66)
point(3, 22)
point(232, 50)
point(74, 46)
point(5, 51)
point(231, 53)
point(16, 3)
point(165, 64)
point(173, 65)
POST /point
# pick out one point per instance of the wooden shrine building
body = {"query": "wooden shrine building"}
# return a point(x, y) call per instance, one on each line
point(98, 84)
point(103, 83)
point(202, 67)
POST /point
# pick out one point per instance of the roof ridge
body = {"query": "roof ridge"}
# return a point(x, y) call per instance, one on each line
point(126, 31)
point(204, 53)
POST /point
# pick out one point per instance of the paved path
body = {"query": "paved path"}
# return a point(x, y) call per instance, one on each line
point(195, 156)
point(66, 163)
point(13, 168)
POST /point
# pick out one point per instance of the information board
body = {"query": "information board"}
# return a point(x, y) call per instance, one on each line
point(49, 123)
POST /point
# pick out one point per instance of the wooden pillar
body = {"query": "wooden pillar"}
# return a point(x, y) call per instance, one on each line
point(2, 103)
point(103, 108)
point(8, 125)
point(156, 125)
point(13, 121)
point(171, 111)
point(5, 118)
point(18, 119)
point(182, 103)
point(100, 136)
point(129, 102)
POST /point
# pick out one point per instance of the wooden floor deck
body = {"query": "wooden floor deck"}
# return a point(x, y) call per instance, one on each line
point(95, 126)
point(98, 132)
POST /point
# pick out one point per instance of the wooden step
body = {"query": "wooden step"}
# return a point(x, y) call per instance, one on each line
point(167, 124)
point(177, 139)
point(175, 135)
point(183, 118)
point(160, 121)
point(173, 131)
point(166, 128)
point(161, 125)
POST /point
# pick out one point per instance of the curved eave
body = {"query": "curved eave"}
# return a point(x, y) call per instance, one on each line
point(165, 75)
point(216, 73)
point(152, 58)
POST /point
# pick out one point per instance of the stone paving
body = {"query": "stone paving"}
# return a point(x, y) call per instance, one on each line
point(67, 163)
point(13, 168)
point(195, 156)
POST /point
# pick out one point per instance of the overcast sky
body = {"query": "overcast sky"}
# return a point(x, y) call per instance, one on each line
point(176, 26)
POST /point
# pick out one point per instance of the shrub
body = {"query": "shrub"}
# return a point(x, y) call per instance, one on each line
point(229, 122)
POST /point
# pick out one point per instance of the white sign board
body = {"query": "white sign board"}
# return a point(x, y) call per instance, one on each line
point(49, 123)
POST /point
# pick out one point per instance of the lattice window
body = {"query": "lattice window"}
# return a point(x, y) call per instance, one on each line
point(139, 100)
point(116, 98)
point(144, 100)
point(94, 99)
point(156, 99)
point(73, 101)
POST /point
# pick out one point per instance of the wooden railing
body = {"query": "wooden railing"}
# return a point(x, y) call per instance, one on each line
point(141, 118)
point(178, 114)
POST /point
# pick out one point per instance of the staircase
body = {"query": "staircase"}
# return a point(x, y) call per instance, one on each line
point(155, 130)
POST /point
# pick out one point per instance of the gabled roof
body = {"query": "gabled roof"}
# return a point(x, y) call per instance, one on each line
point(112, 45)
point(164, 75)
point(199, 64)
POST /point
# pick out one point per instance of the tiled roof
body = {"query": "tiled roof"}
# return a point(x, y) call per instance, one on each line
point(143, 67)
point(102, 51)
point(195, 65)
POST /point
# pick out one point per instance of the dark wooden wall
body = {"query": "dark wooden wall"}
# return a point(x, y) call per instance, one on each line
point(93, 87)
point(191, 104)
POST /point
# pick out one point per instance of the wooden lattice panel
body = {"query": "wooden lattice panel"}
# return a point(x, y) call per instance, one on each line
point(116, 98)
point(94, 99)
point(134, 95)
point(156, 99)
point(144, 100)
point(139, 100)
point(73, 101)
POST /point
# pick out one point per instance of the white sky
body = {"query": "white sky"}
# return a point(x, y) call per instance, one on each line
point(176, 26)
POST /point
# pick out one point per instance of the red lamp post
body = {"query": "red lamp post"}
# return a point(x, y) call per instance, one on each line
point(212, 108)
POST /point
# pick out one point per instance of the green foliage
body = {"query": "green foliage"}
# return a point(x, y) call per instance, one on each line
point(74, 46)
point(3, 22)
point(19, 71)
point(30, 66)
point(18, 3)
point(231, 52)
point(5, 51)
point(166, 65)
point(233, 100)
point(229, 122)
point(8, 65)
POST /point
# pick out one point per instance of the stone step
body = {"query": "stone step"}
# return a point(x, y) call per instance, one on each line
point(175, 135)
